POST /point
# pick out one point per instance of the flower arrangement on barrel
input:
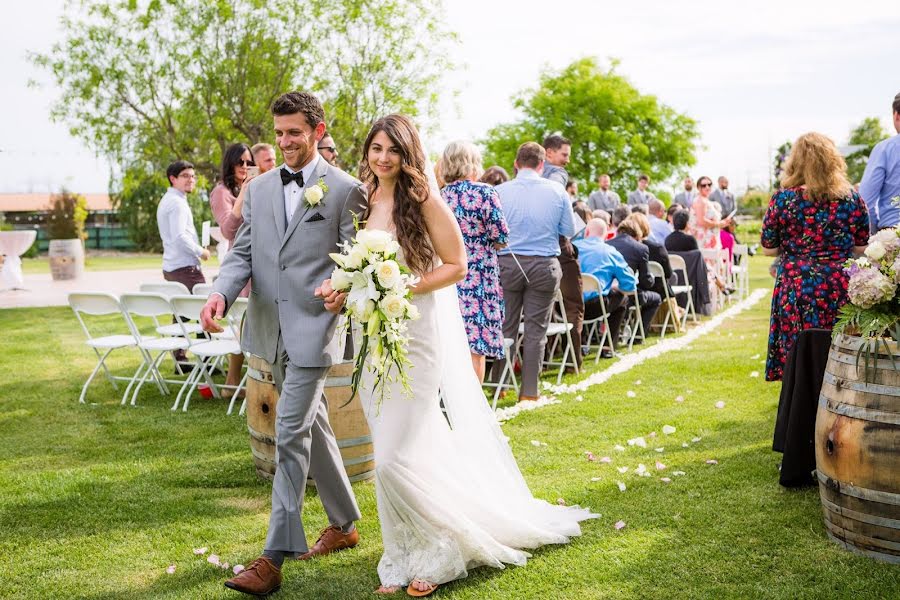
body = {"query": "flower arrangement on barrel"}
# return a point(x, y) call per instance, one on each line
point(873, 312)
point(378, 297)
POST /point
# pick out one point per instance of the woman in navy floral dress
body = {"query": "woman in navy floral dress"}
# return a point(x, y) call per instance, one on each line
point(814, 224)
point(477, 209)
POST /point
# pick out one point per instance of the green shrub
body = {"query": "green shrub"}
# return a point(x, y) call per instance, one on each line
point(754, 203)
point(66, 216)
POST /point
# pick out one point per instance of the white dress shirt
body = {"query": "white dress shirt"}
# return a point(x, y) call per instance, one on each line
point(181, 247)
point(293, 193)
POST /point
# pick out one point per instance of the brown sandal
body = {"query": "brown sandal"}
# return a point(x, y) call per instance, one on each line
point(419, 594)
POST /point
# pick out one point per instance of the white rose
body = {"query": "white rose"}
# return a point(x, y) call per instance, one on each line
point(412, 311)
point(354, 260)
point(340, 279)
point(313, 195)
point(388, 273)
point(393, 306)
point(393, 247)
point(366, 312)
point(875, 251)
point(375, 240)
point(340, 259)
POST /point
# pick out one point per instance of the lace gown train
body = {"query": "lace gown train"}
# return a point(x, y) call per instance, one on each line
point(450, 499)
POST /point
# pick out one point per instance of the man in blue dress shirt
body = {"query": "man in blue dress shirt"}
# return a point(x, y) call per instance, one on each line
point(608, 265)
point(537, 211)
point(659, 227)
point(881, 180)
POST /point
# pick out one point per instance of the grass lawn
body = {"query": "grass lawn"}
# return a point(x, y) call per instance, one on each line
point(110, 262)
point(97, 500)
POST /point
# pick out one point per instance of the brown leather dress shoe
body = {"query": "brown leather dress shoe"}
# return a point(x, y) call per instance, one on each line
point(331, 540)
point(259, 579)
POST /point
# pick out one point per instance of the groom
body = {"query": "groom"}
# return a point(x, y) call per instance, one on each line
point(293, 217)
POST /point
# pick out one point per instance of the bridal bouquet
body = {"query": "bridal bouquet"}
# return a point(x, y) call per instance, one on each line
point(378, 297)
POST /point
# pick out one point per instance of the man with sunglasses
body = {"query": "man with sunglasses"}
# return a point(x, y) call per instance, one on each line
point(328, 150)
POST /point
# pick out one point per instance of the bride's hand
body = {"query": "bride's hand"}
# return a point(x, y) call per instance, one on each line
point(334, 300)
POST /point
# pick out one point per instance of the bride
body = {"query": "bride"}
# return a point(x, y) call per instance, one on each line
point(450, 495)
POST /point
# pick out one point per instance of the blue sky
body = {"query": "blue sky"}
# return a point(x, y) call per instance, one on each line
point(753, 74)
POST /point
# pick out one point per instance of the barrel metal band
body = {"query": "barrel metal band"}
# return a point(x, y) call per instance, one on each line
point(858, 516)
point(859, 492)
point(264, 376)
point(342, 381)
point(871, 388)
point(849, 359)
point(366, 439)
point(857, 539)
point(262, 437)
point(858, 412)
point(349, 462)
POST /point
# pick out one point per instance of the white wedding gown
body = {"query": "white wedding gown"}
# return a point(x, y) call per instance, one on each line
point(450, 499)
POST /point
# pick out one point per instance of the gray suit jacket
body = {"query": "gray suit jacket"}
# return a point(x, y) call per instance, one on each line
point(683, 199)
point(636, 198)
point(285, 264)
point(725, 200)
point(607, 201)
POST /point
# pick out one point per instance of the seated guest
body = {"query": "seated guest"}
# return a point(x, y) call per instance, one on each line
point(674, 208)
point(495, 176)
point(659, 228)
point(678, 240)
point(572, 190)
point(641, 208)
point(602, 214)
point(581, 209)
point(659, 255)
point(628, 242)
point(607, 265)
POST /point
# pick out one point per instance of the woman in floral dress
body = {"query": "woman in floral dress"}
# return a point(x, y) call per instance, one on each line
point(477, 209)
point(814, 224)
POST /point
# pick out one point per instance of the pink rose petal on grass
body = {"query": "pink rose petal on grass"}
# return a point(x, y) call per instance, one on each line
point(237, 569)
point(605, 459)
point(720, 404)
point(638, 382)
point(213, 559)
point(679, 398)
point(665, 480)
point(712, 461)
point(590, 456)
point(754, 373)
point(621, 485)
point(668, 429)
point(622, 469)
point(619, 525)
point(225, 566)
point(202, 550)
point(560, 501)
point(660, 449)
point(652, 434)
point(660, 466)
point(696, 439)
point(171, 570)
point(595, 478)
point(630, 394)
point(685, 445)
point(678, 473)
point(619, 448)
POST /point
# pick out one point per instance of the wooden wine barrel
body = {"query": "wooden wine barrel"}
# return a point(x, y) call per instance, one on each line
point(858, 450)
point(349, 423)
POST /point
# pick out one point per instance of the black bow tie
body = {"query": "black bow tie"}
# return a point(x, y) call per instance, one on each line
point(287, 177)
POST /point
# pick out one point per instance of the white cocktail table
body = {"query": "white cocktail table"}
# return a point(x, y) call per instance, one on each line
point(14, 244)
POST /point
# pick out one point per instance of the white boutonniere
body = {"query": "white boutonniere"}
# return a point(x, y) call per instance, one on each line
point(314, 193)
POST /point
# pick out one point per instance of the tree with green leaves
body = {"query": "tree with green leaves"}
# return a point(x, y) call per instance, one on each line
point(145, 83)
point(614, 128)
point(866, 135)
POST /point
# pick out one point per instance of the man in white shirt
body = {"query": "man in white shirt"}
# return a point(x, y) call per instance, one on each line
point(182, 251)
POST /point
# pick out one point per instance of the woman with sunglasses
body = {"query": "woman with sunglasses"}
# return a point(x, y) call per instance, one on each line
point(705, 223)
point(226, 201)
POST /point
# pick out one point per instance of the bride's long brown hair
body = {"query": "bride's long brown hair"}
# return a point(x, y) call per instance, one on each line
point(410, 192)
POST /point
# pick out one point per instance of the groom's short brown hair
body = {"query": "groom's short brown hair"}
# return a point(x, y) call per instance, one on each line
point(300, 102)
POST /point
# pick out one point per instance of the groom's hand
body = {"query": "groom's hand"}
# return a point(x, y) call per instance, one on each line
point(334, 300)
point(213, 310)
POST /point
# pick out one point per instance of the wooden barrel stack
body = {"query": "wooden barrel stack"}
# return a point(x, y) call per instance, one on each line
point(348, 422)
point(858, 450)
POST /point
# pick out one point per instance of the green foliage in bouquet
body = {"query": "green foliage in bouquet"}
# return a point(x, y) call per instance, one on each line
point(66, 216)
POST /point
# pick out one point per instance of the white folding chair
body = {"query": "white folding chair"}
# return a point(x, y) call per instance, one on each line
point(558, 329)
point(679, 266)
point(599, 325)
point(658, 272)
point(507, 375)
point(740, 269)
point(164, 288)
point(634, 324)
point(209, 352)
point(202, 289)
point(146, 304)
point(716, 258)
point(102, 304)
point(169, 289)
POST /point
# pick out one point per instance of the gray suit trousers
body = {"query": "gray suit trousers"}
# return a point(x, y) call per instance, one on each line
point(304, 446)
point(532, 302)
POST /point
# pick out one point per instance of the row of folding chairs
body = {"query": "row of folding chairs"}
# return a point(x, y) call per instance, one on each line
point(180, 335)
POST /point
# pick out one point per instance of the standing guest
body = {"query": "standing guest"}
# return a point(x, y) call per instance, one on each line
point(182, 251)
point(495, 176)
point(559, 150)
point(659, 227)
point(227, 201)
point(678, 240)
point(572, 190)
point(686, 198)
point(581, 209)
point(637, 255)
point(328, 150)
point(724, 197)
point(608, 265)
point(640, 196)
point(813, 224)
point(538, 212)
point(263, 156)
point(881, 180)
point(604, 198)
point(706, 221)
point(477, 209)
